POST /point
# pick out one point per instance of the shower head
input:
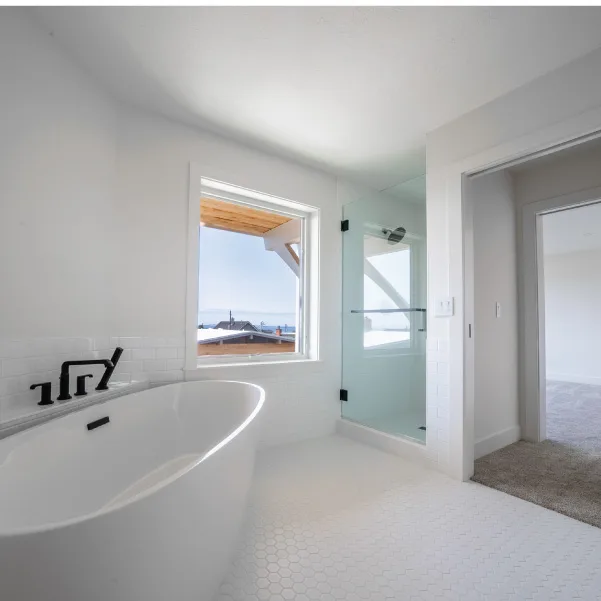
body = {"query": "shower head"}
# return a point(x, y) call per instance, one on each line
point(395, 236)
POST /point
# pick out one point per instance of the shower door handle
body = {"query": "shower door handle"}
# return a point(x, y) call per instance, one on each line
point(388, 310)
point(408, 310)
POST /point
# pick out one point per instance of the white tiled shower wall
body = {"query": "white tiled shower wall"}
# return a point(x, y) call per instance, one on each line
point(438, 400)
point(29, 361)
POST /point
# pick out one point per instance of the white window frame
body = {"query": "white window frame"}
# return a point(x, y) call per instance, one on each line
point(306, 334)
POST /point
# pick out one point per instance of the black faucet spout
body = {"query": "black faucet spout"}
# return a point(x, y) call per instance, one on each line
point(104, 381)
point(64, 377)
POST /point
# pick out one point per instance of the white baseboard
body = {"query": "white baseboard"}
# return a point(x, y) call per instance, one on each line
point(413, 451)
point(496, 441)
point(576, 378)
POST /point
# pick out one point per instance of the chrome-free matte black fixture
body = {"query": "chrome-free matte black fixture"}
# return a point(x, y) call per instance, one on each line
point(64, 377)
point(81, 384)
point(109, 364)
point(104, 381)
point(46, 392)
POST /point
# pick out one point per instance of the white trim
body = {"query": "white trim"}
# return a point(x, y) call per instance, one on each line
point(237, 360)
point(307, 347)
point(255, 198)
point(532, 302)
point(469, 353)
point(396, 445)
point(564, 145)
point(496, 441)
point(192, 266)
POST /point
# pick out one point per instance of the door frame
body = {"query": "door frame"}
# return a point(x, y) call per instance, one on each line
point(533, 406)
point(448, 187)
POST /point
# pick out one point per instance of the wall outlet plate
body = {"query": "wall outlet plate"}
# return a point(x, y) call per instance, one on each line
point(444, 307)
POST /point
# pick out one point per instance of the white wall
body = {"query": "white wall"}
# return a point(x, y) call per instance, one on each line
point(496, 411)
point(572, 316)
point(93, 234)
point(57, 171)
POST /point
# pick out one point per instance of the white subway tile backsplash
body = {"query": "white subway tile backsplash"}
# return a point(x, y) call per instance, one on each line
point(172, 364)
point(151, 365)
point(44, 363)
point(437, 399)
point(102, 344)
point(431, 368)
point(131, 342)
point(29, 361)
point(128, 367)
point(166, 353)
point(16, 367)
point(443, 368)
point(139, 376)
point(167, 376)
point(125, 356)
point(139, 354)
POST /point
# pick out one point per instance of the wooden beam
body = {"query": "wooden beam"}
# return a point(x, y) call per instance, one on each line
point(208, 215)
point(237, 218)
point(293, 253)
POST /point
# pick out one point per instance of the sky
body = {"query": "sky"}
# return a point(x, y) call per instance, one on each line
point(236, 273)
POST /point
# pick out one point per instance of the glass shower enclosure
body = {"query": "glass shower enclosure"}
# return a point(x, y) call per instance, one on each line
point(384, 315)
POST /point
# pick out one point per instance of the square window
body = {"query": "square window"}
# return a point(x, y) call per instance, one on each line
point(253, 277)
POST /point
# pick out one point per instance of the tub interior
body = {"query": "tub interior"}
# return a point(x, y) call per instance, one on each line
point(60, 471)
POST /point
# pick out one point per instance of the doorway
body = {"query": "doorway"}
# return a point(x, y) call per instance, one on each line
point(554, 458)
point(571, 248)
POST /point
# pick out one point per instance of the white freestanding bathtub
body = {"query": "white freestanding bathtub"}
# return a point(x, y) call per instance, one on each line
point(145, 507)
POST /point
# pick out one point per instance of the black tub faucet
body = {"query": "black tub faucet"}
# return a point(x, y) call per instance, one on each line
point(46, 392)
point(104, 381)
point(64, 377)
point(81, 384)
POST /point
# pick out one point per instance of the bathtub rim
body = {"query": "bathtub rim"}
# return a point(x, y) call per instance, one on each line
point(152, 490)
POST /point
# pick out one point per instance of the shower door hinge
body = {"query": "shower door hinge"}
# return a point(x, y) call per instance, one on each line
point(344, 226)
point(343, 394)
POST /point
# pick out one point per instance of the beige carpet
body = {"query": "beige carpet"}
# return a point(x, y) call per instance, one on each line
point(564, 472)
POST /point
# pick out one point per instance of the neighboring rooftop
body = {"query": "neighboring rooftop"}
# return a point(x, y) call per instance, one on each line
point(236, 325)
point(217, 335)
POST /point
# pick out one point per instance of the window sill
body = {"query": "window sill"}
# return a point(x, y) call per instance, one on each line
point(259, 360)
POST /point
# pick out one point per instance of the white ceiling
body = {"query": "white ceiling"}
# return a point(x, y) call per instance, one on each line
point(573, 230)
point(353, 90)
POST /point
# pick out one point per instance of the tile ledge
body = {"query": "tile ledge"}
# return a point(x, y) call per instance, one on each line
point(31, 417)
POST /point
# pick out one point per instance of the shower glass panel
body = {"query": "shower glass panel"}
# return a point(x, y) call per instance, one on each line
point(384, 315)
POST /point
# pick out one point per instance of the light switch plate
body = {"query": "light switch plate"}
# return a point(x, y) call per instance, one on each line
point(444, 307)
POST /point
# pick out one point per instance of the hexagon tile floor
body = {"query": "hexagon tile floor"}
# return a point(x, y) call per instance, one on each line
point(332, 519)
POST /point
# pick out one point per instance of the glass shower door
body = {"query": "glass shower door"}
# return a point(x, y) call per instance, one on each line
point(384, 315)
